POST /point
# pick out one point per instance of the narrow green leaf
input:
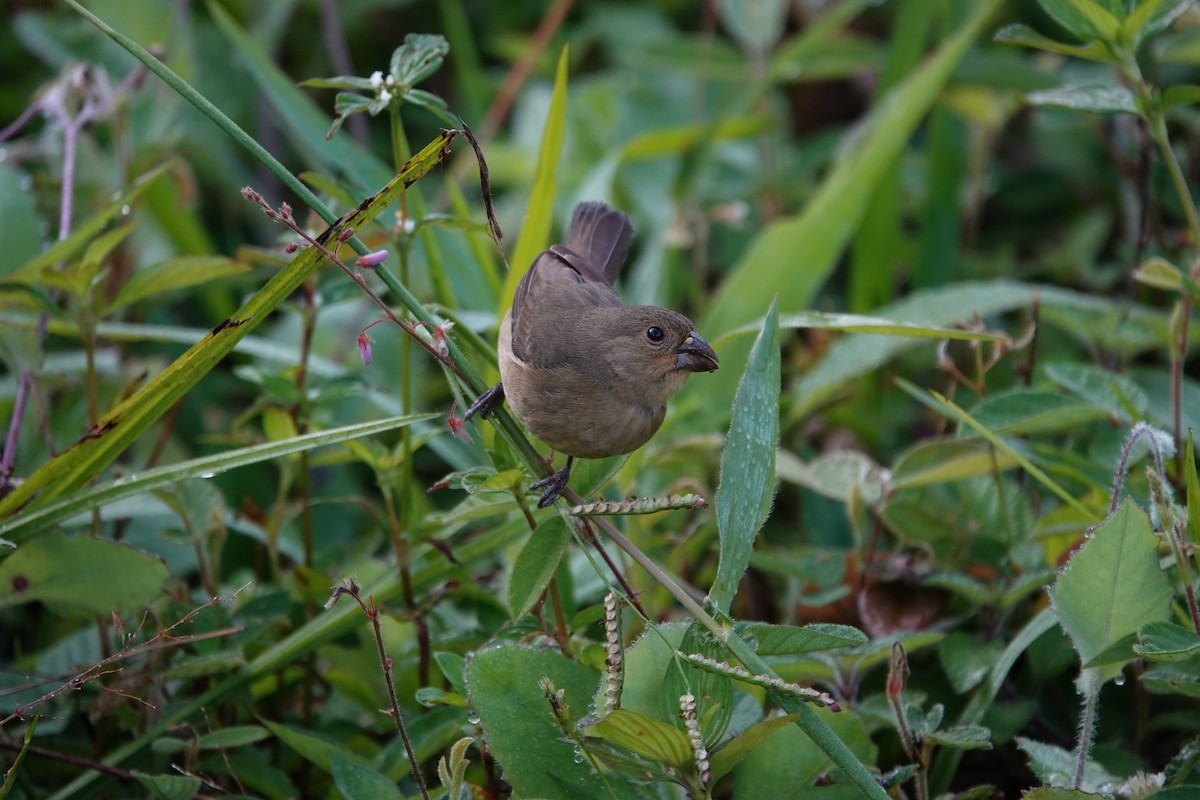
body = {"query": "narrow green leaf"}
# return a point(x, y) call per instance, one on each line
point(1113, 584)
point(181, 272)
point(169, 787)
point(30, 521)
point(535, 231)
point(859, 323)
point(315, 749)
point(967, 737)
point(1029, 411)
point(235, 736)
point(1083, 18)
point(1181, 96)
point(820, 232)
point(121, 425)
point(789, 640)
point(1102, 98)
point(536, 564)
point(729, 755)
point(747, 484)
point(359, 782)
point(932, 462)
point(1026, 36)
point(83, 572)
point(1193, 490)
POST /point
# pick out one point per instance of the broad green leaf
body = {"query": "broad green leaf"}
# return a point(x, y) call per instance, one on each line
point(1156, 271)
point(1113, 584)
point(1056, 767)
point(1152, 17)
point(785, 766)
point(818, 235)
point(1181, 679)
point(236, 736)
point(730, 754)
point(967, 660)
point(747, 484)
point(967, 737)
point(645, 736)
point(1103, 98)
point(841, 475)
point(521, 733)
point(536, 564)
point(169, 787)
point(121, 425)
point(316, 749)
point(535, 229)
point(646, 661)
point(1102, 388)
point(357, 781)
point(1026, 36)
point(787, 640)
point(22, 240)
point(181, 272)
point(933, 462)
point(1166, 641)
point(95, 575)
point(1023, 412)
point(1181, 96)
point(28, 522)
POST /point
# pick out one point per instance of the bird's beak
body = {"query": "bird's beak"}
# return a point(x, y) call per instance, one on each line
point(695, 354)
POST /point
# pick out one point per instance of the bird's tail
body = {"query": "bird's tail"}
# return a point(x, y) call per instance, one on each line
point(601, 236)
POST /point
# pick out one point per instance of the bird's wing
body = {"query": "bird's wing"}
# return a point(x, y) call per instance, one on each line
point(564, 280)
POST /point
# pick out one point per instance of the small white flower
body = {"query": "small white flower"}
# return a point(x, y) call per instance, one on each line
point(385, 96)
point(377, 80)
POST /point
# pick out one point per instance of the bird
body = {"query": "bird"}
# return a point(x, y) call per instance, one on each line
point(583, 372)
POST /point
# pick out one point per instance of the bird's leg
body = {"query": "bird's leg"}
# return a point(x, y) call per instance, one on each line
point(554, 484)
point(488, 402)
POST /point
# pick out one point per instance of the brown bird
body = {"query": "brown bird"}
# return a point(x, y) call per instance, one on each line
point(585, 373)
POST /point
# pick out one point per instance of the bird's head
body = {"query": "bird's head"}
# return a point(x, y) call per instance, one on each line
point(654, 349)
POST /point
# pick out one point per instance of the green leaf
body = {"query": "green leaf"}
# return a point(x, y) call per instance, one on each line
point(842, 475)
point(1166, 641)
point(169, 787)
point(124, 423)
point(521, 733)
point(28, 522)
point(95, 575)
point(1152, 17)
point(729, 755)
point(313, 748)
point(1193, 490)
point(1101, 98)
point(755, 24)
point(860, 323)
point(822, 230)
point(1056, 767)
point(359, 782)
point(1119, 394)
point(967, 660)
point(536, 564)
point(786, 640)
point(181, 272)
point(535, 230)
point(1180, 96)
point(646, 737)
point(1112, 585)
point(1023, 412)
point(932, 462)
point(748, 465)
point(236, 736)
point(1026, 36)
point(419, 57)
point(966, 737)
point(21, 223)
point(1083, 18)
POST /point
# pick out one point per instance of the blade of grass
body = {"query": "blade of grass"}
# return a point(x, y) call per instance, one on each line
point(27, 523)
point(940, 404)
point(535, 232)
point(121, 425)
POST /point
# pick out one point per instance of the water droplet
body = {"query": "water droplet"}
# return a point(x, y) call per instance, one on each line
point(1120, 679)
point(125, 210)
point(473, 718)
point(578, 758)
point(208, 474)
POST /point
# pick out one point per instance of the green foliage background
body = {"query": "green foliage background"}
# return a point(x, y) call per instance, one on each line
point(955, 240)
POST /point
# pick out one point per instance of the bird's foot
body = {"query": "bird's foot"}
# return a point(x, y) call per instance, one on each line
point(554, 486)
point(488, 402)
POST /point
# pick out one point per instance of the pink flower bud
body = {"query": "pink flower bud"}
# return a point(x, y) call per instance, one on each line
point(364, 348)
point(372, 259)
point(291, 248)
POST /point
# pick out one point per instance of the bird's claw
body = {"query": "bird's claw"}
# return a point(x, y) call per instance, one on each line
point(488, 402)
point(554, 486)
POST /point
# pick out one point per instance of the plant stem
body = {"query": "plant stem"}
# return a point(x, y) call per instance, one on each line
point(1087, 725)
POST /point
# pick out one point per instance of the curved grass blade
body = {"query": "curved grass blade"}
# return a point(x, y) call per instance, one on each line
point(26, 524)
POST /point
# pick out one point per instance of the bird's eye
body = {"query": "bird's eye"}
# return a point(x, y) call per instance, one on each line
point(655, 334)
